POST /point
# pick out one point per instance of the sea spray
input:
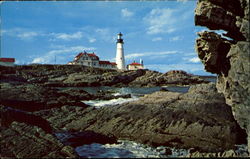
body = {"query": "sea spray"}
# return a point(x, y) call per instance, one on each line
point(101, 103)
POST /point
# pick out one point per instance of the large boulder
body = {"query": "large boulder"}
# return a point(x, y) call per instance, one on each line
point(229, 59)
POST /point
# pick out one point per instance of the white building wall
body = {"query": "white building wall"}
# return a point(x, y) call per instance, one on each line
point(120, 60)
point(135, 67)
point(7, 64)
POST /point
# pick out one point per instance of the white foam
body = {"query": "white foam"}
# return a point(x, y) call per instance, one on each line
point(101, 103)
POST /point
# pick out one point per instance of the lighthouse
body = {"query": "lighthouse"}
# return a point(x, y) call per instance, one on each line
point(120, 60)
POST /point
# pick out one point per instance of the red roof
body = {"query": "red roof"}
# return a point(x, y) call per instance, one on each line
point(7, 59)
point(135, 63)
point(105, 62)
point(113, 63)
point(79, 55)
point(89, 54)
point(93, 55)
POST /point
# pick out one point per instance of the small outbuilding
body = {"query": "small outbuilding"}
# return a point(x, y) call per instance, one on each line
point(135, 66)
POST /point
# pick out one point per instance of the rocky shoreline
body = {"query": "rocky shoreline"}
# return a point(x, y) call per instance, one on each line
point(42, 113)
point(182, 120)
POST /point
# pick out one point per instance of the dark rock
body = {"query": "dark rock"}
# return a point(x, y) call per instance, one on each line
point(32, 97)
point(89, 137)
point(83, 76)
point(230, 60)
point(212, 50)
point(25, 141)
point(8, 115)
point(216, 17)
point(164, 89)
point(171, 119)
point(168, 151)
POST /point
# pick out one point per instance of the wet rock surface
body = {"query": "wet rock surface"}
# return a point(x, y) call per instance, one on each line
point(20, 140)
point(190, 120)
point(229, 59)
point(76, 139)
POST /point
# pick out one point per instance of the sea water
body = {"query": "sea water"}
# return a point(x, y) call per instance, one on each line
point(127, 149)
point(135, 94)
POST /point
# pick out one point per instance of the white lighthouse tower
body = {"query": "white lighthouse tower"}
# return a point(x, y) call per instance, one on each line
point(120, 60)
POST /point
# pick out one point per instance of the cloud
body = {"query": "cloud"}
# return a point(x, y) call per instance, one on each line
point(23, 34)
point(176, 38)
point(27, 35)
point(62, 54)
point(157, 39)
point(153, 54)
point(126, 13)
point(105, 34)
point(183, 1)
point(194, 60)
point(67, 37)
point(92, 40)
point(160, 21)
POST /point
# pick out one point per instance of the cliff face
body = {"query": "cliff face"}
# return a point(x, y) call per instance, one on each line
point(229, 59)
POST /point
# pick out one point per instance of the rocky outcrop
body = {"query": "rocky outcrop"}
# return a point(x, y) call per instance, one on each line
point(174, 77)
point(227, 58)
point(33, 97)
point(20, 140)
point(190, 120)
point(9, 115)
point(83, 76)
point(76, 139)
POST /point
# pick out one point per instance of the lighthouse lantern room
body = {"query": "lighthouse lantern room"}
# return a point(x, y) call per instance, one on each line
point(120, 60)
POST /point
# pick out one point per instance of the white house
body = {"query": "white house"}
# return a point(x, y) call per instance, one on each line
point(92, 60)
point(7, 61)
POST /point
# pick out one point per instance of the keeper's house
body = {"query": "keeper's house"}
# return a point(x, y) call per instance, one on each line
point(136, 66)
point(92, 60)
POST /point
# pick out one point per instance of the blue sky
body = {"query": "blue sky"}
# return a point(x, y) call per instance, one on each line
point(161, 33)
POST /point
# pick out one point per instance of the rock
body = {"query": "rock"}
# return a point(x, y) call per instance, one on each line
point(217, 17)
point(89, 137)
point(170, 119)
point(25, 141)
point(168, 151)
point(8, 115)
point(33, 97)
point(59, 117)
point(225, 154)
point(212, 50)
point(164, 89)
point(83, 76)
point(229, 59)
point(69, 151)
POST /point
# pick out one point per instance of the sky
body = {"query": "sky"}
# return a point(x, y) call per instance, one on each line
point(161, 33)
